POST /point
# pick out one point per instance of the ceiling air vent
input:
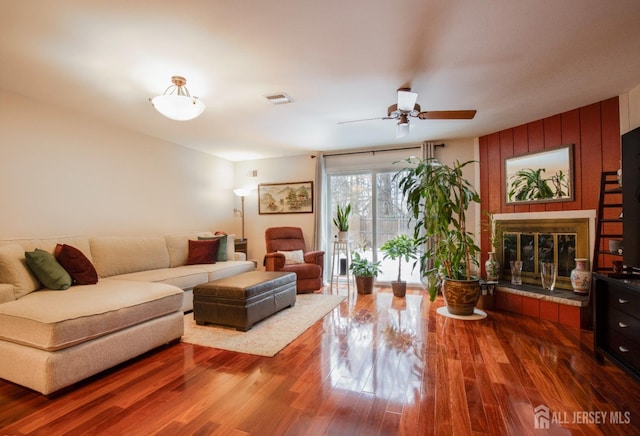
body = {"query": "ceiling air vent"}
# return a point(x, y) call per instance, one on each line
point(279, 98)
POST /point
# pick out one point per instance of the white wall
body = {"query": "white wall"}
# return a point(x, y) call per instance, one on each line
point(62, 173)
point(630, 110)
point(465, 150)
point(300, 168)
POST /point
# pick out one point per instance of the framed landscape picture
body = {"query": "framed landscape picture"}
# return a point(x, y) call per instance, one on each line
point(274, 198)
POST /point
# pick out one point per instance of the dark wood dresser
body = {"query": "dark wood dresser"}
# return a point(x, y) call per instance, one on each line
point(617, 321)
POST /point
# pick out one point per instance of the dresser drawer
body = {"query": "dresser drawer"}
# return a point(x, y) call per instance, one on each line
point(624, 324)
point(624, 300)
point(623, 349)
point(617, 322)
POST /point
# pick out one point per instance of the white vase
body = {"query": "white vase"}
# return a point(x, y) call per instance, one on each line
point(343, 236)
point(492, 267)
point(581, 277)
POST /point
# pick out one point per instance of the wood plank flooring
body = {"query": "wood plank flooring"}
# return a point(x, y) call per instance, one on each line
point(374, 365)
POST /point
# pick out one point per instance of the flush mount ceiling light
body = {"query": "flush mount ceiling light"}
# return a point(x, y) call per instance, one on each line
point(176, 102)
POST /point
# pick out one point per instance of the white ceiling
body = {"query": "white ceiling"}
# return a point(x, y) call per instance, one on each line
point(513, 61)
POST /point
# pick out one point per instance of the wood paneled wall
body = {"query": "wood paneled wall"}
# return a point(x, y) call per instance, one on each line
point(595, 132)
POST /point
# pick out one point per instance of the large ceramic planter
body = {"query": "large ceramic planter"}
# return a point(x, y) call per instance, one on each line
point(461, 296)
point(364, 285)
point(399, 289)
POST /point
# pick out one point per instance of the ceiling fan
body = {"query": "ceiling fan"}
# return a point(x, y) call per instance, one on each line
point(407, 107)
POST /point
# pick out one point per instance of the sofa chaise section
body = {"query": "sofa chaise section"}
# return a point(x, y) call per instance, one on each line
point(53, 320)
point(52, 339)
point(47, 371)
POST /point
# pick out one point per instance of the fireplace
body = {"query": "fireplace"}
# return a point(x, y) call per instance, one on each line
point(533, 237)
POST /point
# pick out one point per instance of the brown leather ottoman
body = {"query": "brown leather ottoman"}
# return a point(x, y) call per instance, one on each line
point(241, 301)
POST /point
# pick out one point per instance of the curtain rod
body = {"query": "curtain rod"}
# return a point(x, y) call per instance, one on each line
point(372, 151)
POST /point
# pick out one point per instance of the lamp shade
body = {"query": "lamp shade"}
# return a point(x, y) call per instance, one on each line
point(176, 102)
point(242, 192)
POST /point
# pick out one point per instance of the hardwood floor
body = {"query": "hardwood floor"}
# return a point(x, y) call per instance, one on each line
point(374, 365)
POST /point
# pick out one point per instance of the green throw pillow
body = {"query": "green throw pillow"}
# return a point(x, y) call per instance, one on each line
point(222, 248)
point(47, 269)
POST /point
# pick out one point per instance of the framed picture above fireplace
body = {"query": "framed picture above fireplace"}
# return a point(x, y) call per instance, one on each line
point(540, 177)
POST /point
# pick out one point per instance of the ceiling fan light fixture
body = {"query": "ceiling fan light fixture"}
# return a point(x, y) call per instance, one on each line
point(403, 126)
point(407, 107)
point(177, 103)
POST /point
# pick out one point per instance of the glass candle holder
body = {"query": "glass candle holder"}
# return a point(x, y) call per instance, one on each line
point(516, 272)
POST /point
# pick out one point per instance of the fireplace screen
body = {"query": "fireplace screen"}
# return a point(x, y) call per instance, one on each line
point(533, 248)
point(535, 241)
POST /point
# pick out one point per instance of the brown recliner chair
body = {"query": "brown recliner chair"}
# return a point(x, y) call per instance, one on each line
point(309, 273)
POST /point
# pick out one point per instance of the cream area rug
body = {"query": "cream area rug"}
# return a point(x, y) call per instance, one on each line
point(267, 337)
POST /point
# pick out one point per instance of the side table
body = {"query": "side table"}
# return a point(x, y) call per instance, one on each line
point(240, 246)
point(340, 248)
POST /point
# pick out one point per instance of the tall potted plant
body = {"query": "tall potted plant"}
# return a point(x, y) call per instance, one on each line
point(365, 272)
point(341, 221)
point(438, 198)
point(400, 247)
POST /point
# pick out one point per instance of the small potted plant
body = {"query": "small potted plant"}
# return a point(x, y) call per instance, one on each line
point(341, 221)
point(365, 272)
point(401, 247)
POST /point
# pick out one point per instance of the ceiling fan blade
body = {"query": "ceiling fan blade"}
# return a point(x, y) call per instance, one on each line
point(365, 119)
point(406, 100)
point(447, 115)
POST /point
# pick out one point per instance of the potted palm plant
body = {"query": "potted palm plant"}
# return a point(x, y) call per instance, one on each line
point(400, 247)
point(341, 221)
point(438, 198)
point(365, 272)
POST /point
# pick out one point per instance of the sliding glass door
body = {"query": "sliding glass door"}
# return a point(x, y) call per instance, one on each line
point(379, 214)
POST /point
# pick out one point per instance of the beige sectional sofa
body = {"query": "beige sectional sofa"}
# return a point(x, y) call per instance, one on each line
point(50, 339)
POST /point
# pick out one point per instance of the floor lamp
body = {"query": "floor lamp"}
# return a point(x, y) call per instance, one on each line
point(241, 192)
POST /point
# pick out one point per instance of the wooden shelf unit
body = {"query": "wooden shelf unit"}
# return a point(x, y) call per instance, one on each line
point(609, 222)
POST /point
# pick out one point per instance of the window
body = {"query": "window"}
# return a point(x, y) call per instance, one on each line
point(378, 214)
point(365, 180)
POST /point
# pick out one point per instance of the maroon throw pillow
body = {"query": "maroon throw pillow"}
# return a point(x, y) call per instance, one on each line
point(77, 265)
point(204, 251)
